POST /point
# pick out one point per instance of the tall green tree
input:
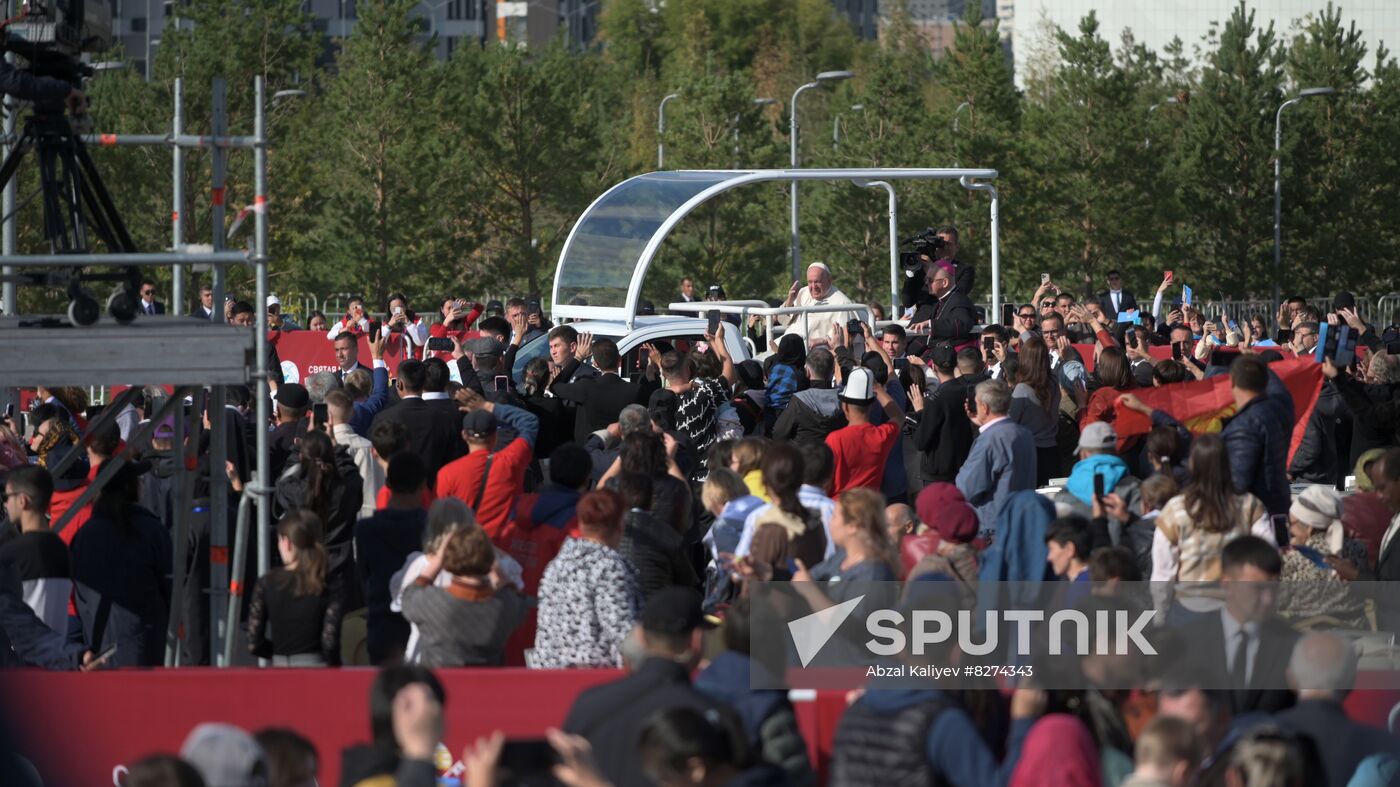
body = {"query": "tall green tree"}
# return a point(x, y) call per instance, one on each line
point(383, 224)
point(1226, 146)
point(1084, 140)
point(527, 137)
point(1335, 195)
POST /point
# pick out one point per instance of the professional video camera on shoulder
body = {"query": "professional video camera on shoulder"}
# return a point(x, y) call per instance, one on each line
point(925, 244)
point(51, 35)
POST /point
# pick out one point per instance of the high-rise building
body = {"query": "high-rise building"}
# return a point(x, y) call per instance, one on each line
point(864, 16)
point(936, 20)
point(138, 24)
point(1156, 23)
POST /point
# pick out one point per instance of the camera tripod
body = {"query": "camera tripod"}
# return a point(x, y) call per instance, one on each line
point(77, 206)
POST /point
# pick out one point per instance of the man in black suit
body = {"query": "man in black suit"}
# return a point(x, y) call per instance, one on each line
point(944, 435)
point(611, 716)
point(206, 303)
point(1321, 672)
point(292, 402)
point(149, 304)
point(434, 433)
point(1115, 299)
point(688, 290)
point(1244, 646)
point(600, 399)
point(949, 315)
point(347, 355)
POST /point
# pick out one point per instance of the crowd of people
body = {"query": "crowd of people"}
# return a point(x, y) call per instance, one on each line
point(452, 515)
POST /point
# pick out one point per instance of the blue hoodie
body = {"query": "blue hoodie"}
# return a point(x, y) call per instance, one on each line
point(726, 680)
point(1081, 478)
point(555, 506)
point(1018, 555)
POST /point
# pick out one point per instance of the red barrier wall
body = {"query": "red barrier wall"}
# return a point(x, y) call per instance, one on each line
point(79, 728)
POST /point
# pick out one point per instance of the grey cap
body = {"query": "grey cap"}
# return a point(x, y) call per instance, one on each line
point(226, 756)
point(484, 345)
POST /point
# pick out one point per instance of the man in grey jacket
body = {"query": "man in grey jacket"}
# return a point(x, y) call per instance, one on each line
point(1002, 459)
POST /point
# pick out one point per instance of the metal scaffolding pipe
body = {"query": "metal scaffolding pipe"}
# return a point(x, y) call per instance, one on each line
point(177, 202)
point(264, 483)
point(150, 259)
point(178, 140)
point(9, 293)
point(218, 178)
point(993, 315)
point(894, 238)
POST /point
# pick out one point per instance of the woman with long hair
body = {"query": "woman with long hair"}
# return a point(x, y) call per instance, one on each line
point(589, 597)
point(1115, 375)
point(654, 456)
point(1195, 525)
point(784, 530)
point(1035, 404)
point(296, 601)
point(326, 482)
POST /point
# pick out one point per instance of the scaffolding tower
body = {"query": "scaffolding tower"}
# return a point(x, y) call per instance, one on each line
point(199, 358)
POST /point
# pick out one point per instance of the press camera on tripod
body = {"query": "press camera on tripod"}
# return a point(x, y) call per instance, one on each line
point(49, 38)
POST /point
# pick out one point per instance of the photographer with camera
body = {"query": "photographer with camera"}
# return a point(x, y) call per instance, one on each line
point(929, 247)
point(46, 91)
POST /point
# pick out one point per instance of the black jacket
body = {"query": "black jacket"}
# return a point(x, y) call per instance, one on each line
point(950, 320)
point(944, 434)
point(1339, 743)
point(599, 398)
point(611, 716)
point(338, 524)
point(1267, 691)
point(914, 291)
point(433, 433)
point(1126, 303)
point(1375, 412)
point(1315, 461)
point(654, 548)
point(122, 579)
point(810, 416)
point(383, 543)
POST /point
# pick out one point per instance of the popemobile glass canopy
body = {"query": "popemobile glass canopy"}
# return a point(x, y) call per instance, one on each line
point(608, 251)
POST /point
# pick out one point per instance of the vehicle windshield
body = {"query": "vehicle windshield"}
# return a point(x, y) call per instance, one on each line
point(597, 265)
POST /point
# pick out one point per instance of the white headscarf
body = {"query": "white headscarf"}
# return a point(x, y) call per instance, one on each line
point(1320, 508)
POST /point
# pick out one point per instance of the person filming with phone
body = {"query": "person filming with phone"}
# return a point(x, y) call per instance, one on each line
point(405, 325)
point(354, 320)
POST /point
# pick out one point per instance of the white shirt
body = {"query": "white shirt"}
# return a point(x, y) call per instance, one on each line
point(431, 396)
point(371, 475)
point(1117, 297)
point(341, 327)
point(990, 423)
point(1232, 641)
point(415, 334)
point(817, 326)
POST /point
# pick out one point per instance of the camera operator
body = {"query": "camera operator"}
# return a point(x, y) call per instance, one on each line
point(915, 293)
point(44, 91)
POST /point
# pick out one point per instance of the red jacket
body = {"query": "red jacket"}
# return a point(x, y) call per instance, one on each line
point(461, 478)
point(533, 546)
point(462, 333)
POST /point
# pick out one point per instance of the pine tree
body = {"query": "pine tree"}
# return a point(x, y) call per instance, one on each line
point(382, 222)
point(1226, 149)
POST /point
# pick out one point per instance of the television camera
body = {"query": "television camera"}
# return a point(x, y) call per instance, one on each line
point(925, 244)
point(49, 38)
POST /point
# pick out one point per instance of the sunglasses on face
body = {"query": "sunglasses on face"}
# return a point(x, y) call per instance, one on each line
point(1026, 315)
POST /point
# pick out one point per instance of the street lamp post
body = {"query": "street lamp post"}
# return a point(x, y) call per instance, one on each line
point(1278, 175)
point(836, 126)
point(1147, 142)
point(661, 131)
point(824, 78)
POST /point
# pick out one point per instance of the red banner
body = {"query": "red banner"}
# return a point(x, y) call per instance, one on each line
point(88, 728)
point(1203, 405)
point(304, 353)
